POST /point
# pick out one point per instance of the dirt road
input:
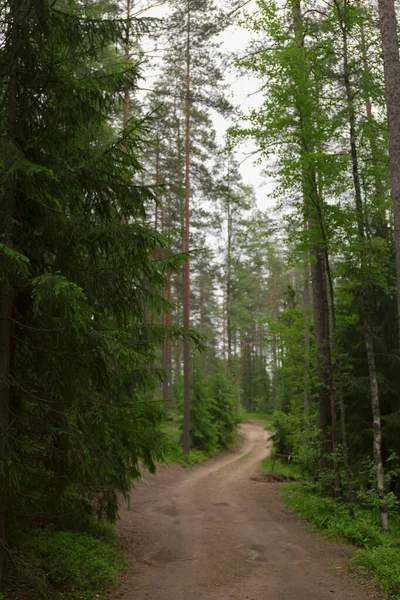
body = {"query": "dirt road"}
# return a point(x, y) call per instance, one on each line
point(210, 533)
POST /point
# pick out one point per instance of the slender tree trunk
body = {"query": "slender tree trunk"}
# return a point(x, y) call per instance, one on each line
point(127, 99)
point(186, 289)
point(369, 343)
point(229, 287)
point(273, 300)
point(157, 200)
point(168, 398)
point(7, 215)
point(306, 301)
point(331, 379)
point(391, 68)
point(236, 373)
point(342, 408)
point(224, 332)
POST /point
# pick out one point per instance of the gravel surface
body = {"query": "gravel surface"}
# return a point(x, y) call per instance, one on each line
point(213, 533)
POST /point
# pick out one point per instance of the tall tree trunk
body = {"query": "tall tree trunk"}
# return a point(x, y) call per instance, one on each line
point(391, 69)
point(274, 301)
point(186, 289)
point(224, 332)
point(236, 373)
point(157, 200)
point(127, 99)
point(306, 304)
point(168, 398)
point(229, 286)
point(369, 343)
point(7, 215)
point(339, 379)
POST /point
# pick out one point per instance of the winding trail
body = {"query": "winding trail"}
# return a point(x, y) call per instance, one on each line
point(211, 533)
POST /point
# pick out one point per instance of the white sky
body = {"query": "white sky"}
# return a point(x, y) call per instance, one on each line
point(243, 93)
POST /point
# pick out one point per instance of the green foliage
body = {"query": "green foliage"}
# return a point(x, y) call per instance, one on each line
point(203, 429)
point(224, 407)
point(265, 419)
point(297, 435)
point(384, 563)
point(334, 518)
point(76, 256)
point(281, 466)
point(67, 564)
point(176, 455)
point(213, 409)
point(380, 552)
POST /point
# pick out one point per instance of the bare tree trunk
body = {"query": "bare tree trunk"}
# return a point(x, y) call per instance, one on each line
point(273, 301)
point(157, 199)
point(186, 289)
point(377, 444)
point(229, 287)
point(127, 99)
point(321, 339)
point(391, 68)
point(306, 301)
point(224, 332)
point(342, 408)
point(168, 398)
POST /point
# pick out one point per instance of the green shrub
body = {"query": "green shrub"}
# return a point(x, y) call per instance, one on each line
point(68, 565)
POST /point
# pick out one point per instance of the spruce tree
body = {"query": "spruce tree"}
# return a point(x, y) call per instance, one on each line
point(75, 280)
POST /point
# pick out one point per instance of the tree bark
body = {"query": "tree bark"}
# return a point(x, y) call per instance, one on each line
point(342, 408)
point(127, 99)
point(186, 288)
point(274, 300)
point(229, 287)
point(306, 304)
point(391, 69)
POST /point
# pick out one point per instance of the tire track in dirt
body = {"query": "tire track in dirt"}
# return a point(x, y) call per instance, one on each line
point(212, 533)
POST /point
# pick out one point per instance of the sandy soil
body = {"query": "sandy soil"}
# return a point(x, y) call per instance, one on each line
point(212, 533)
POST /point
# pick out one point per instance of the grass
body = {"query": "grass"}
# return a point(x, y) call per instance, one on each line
point(68, 565)
point(289, 470)
point(379, 552)
point(263, 418)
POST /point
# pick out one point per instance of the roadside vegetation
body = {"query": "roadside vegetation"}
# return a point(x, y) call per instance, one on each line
point(379, 553)
point(75, 564)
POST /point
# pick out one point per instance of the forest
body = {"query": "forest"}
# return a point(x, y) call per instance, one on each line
point(153, 298)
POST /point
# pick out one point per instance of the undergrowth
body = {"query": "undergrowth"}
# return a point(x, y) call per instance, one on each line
point(68, 565)
point(175, 454)
point(380, 551)
point(263, 418)
point(289, 469)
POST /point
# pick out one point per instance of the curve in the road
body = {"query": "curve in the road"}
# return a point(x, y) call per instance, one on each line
point(211, 533)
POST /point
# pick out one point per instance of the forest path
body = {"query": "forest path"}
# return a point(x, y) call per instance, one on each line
point(211, 533)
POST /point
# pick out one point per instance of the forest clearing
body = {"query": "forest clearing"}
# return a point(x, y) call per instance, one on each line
point(199, 299)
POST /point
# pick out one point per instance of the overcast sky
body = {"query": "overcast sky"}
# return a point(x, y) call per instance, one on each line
point(243, 91)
